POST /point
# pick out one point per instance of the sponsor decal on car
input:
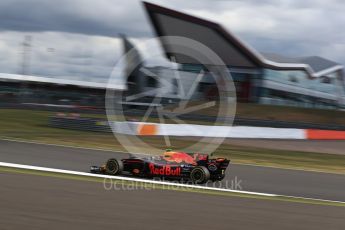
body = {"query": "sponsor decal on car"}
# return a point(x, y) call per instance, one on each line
point(165, 170)
point(136, 171)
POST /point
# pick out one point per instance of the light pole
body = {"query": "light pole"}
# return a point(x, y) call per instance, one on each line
point(25, 65)
point(26, 55)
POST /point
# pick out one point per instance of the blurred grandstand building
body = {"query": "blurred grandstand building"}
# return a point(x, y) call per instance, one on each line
point(259, 77)
point(263, 78)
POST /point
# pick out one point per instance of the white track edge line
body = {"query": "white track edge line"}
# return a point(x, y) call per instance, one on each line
point(62, 171)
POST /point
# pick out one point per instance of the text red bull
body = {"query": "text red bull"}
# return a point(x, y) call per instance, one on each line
point(165, 170)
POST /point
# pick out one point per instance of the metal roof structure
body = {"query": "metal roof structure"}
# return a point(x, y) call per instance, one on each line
point(233, 51)
point(315, 62)
point(59, 81)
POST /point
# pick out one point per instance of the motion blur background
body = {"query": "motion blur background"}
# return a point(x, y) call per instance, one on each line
point(286, 60)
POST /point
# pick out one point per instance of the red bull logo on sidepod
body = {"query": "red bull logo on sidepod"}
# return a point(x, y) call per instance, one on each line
point(165, 170)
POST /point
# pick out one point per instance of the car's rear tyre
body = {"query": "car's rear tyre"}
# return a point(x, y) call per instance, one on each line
point(200, 175)
point(114, 167)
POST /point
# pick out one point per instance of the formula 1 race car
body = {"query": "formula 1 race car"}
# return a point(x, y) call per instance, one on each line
point(198, 168)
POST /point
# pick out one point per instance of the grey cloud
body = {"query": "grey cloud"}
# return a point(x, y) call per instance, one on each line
point(102, 17)
point(74, 56)
point(295, 28)
point(290, 27)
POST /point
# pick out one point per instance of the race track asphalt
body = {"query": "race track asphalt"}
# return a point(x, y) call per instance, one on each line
point(315, 146)
point(249, 178)
point(40, 202)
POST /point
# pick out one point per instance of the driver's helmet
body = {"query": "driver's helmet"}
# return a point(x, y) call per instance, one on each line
point(167, 155)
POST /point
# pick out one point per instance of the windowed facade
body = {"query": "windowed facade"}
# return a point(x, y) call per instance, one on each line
point(152, 82)
point(282, 87)
point(296, 88)
point(43, 93)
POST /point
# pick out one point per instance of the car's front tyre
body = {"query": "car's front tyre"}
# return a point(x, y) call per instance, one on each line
point(114, 167)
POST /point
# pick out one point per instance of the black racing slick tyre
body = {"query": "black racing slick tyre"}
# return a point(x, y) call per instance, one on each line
point(114, 167)
point(200, 175)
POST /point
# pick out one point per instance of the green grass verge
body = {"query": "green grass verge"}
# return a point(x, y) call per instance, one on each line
point(294, 114)
point(280, 113)
point(148, 186)
point(319, 162)
point(32, 126)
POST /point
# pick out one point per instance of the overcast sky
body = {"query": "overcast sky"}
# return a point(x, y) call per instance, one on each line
point(78, 38)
